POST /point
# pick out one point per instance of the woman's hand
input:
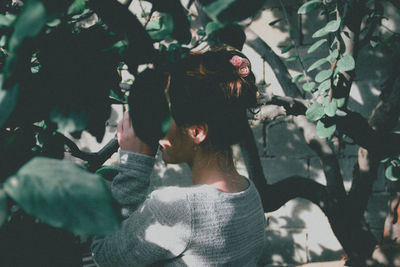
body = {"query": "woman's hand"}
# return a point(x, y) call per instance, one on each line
point(129, 141)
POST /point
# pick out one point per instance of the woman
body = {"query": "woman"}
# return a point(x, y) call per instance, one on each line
point(219, 221)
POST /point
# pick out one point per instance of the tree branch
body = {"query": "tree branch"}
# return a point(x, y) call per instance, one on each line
point(280, 70)
point(327, 156)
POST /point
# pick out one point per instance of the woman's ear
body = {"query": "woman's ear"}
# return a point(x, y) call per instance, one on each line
point(198, 133)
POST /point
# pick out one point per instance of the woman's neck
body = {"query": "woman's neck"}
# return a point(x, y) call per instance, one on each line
point(217, 169)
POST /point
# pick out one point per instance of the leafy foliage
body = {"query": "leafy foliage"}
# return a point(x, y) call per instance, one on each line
point(63, 195)
point(60, 63)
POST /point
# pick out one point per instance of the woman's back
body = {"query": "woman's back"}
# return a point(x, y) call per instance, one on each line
point(226, 228)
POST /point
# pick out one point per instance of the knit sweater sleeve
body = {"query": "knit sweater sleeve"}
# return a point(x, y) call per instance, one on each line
point(155, 229)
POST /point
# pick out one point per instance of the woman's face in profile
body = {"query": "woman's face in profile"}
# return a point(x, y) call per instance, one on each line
point(177, 146)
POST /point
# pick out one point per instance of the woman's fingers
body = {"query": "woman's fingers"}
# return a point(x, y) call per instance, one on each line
point(126, 122)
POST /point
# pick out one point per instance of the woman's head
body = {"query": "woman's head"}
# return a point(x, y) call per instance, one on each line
point(207, 90)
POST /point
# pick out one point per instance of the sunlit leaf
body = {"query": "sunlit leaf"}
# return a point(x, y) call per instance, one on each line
point(308, 87)
point(325, 131)
point(326, 85)
point(316, 45)
point(77, 7)
point(333, 25)
point(316, 64)
point(340, 102)
point(212, 27)
point(333, 56)
point(340, 113)
point(7, 20)
point(323, 75)
point(298, 78)
point(3, 207)
point(373, 43)
point(334, 42)
point(330, 109)
point(315, 112)
point(61, 194)
point(321, 32)
point(160, 28)
point(392, 173)
point(346, 63)
point(291, 58)
point(308, 6)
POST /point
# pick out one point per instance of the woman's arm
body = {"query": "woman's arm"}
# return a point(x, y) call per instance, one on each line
point(159, 229)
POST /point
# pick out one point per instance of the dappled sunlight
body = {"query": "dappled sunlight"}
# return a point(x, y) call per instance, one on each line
point(164, 235)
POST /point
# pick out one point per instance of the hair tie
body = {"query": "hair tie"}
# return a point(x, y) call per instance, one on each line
point(241, 65)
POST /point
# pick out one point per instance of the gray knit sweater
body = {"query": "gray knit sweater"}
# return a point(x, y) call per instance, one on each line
point(180, 226)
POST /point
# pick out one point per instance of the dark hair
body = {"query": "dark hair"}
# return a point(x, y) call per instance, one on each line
point(206, 88)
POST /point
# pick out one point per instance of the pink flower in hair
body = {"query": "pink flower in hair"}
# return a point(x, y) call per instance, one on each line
point(236, 61)
point(241, 64)
point(243, 71)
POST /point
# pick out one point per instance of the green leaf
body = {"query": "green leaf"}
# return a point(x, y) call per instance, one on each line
point(28, 24)
point(308, 87)
point(298, 78)
point(291, 58)
point(321, 32)
point(272, 23)
point(340, 102)
point(316, 45)
point(326, 85)
point(160, 28)
point(330, 109)
point(315, 112)
point(7, 20)
point(286, 49)
point(346, 63)
point(166, 125)
point(316, 64)
point(8, 101)
point(108, 172)
point(334, 43)
point(3, 207)
point(63, 195)
point(340, 113)
point(325, 131)
point(3, 41)
point(309, 58)
point(392, 173)
point(215, 8)
point(77, 7)
point(308, 6)
point(323, 75)
point(332, 56)
point(333, 25)
point(212, 27)
point(373, 43)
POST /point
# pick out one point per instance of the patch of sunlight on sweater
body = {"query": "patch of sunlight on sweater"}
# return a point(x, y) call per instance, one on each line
point(165, 236)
